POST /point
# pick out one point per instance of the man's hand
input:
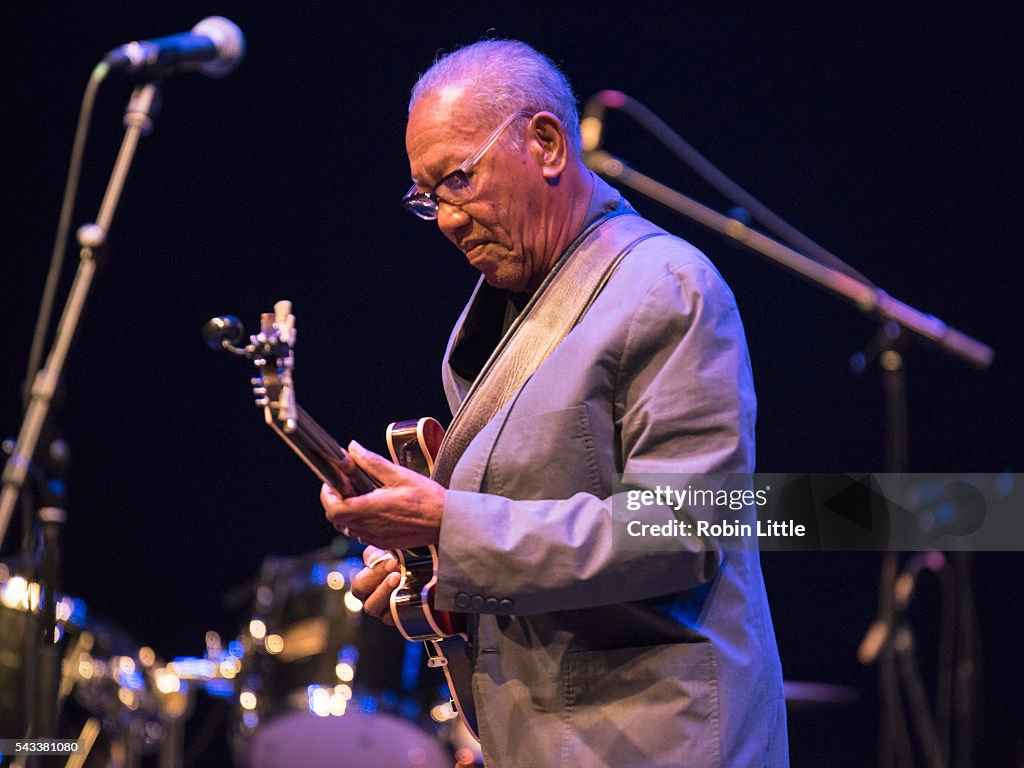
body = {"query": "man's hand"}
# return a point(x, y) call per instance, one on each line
point(374, 584)
point(404, 512)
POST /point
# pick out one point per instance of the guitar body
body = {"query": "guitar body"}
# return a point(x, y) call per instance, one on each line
point(413, 444)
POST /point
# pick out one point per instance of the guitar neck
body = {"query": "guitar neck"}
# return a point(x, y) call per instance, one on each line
point(321, 453)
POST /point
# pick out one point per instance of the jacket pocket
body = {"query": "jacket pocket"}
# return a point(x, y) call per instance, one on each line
point(545, 455)
point(648, 706)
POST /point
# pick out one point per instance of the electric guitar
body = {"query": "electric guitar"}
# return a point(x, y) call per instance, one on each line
point(412, 444)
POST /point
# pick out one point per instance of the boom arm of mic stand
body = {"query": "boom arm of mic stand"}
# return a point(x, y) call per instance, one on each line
point(870, 300)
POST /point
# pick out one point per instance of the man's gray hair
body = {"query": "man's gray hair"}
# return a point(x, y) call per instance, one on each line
point(502, 76)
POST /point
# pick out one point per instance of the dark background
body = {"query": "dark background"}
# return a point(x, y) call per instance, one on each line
point(890, 134)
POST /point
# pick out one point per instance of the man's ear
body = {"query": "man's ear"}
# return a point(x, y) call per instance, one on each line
point(548, 144)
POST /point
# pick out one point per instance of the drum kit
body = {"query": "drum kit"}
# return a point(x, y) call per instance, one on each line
point(309, 681)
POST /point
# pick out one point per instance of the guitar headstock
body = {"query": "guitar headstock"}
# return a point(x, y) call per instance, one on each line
point(273, 354)
point(272, 351)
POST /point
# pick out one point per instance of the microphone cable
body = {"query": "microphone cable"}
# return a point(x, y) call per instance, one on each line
point(44, 320)
point(718, 180)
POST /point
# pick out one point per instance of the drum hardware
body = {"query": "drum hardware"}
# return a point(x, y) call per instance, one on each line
point(107, 684)
point(320, 684)
point(310, 680)
point(89, 733)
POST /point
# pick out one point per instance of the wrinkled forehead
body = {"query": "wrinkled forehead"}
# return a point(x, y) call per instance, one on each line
point(442, 100)
point(441, 130)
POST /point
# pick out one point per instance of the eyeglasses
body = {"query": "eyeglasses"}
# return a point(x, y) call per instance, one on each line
point(456, 188)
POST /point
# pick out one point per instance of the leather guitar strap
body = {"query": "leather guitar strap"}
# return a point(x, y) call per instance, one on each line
point(559, 303)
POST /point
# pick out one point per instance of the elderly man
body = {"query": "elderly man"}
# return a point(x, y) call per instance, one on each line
point(585, 651)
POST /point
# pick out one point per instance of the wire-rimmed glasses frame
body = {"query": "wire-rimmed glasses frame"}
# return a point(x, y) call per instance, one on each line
point(455, 188)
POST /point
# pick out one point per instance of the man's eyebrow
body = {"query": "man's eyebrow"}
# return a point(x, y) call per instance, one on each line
point(431, 172)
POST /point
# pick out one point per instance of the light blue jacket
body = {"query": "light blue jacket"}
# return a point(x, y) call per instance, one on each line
point(586, 653)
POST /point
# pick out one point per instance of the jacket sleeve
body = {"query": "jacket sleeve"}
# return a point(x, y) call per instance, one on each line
point(680, 400)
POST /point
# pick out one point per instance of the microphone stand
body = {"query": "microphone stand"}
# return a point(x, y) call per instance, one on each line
point(91, 239)
point(870, 300)
point(896, 645)
point(897, 320)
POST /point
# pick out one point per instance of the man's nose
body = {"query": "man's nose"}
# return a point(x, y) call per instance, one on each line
point(450, 218)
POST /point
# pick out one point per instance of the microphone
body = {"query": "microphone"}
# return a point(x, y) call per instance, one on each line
point(224, 331)
point(215, 46)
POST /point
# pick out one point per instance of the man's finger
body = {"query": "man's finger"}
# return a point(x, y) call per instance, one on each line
point(365, 582)
point(384, 470)
point(378, 604)
point(328, 495)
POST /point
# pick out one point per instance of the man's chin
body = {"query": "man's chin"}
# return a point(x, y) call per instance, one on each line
point(506, 281)
point(513, 284)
